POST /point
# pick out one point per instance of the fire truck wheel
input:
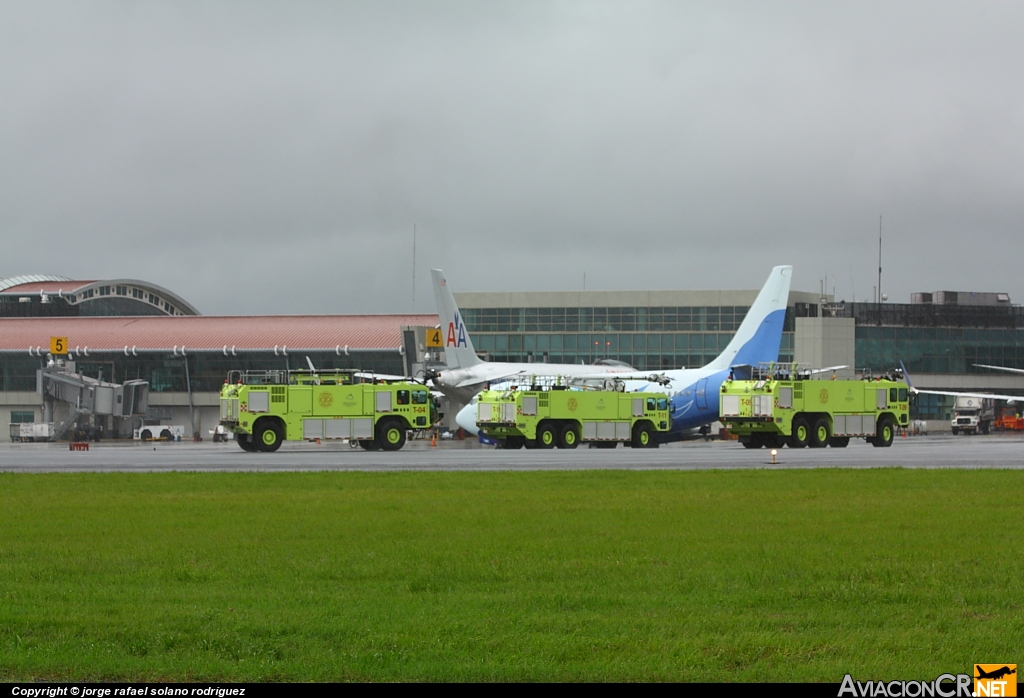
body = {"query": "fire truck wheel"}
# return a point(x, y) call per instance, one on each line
point(801, 433)
point(839, 441)
point(885, 432)
point(368, 445)
point(245, 443)
point(569, 437)
point(643, 436)
point(546, 435)
point(751, 442)
point(391, 435)
point(515, 442)
point(819, 434)
point(267, 437)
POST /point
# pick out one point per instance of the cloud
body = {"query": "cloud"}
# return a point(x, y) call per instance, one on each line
point(257, 158)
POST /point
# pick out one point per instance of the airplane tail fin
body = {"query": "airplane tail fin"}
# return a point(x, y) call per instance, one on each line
point(458, 349)
point(760, 334)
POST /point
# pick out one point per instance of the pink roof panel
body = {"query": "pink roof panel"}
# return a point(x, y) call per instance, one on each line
point(211, 332)
point(48, 287)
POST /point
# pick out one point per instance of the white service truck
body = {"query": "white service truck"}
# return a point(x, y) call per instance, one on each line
point(32, 431)
point(973, 415)
point(164, 432)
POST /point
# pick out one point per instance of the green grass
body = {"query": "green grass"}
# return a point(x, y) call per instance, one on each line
point(692, 576)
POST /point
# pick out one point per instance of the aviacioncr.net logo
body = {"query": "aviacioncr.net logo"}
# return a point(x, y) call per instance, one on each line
point(995, 680)
point(944, 686)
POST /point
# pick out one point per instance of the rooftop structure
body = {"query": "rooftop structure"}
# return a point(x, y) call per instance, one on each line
point(41, 295)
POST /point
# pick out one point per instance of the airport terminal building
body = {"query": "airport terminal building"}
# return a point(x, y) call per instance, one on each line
point(940, 336)
point(127, 329)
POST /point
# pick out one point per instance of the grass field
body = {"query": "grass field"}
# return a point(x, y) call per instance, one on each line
point(692, 576)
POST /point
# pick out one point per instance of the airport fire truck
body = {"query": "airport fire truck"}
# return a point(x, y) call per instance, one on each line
point(541, 416)
point(265, 408)
point(769, 407)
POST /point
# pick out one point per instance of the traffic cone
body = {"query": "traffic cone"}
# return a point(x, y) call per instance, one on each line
point(433, 439)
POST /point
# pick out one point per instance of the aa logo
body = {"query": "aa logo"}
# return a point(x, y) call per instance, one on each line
point(995, 679)
point(456, 333)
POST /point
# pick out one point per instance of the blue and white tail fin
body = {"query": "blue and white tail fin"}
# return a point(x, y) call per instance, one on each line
point(760, 334)
point(458, 349)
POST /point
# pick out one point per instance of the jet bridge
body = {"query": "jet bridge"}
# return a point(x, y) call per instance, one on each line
point(86, 397)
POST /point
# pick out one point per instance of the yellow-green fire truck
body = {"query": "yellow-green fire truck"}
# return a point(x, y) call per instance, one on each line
point(545, 417)
point(772, 408)
point(265, 408)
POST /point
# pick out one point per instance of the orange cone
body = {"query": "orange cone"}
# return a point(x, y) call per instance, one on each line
point(433, 439)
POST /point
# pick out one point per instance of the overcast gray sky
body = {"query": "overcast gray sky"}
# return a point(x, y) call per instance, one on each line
point(274, 157)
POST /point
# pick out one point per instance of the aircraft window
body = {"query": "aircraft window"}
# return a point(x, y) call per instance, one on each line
point(403, 397)
point(662, 403)
point(903, 394)
point(651, 403)
point(419, 397)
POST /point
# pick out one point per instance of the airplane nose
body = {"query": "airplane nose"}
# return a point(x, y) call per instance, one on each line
point(466, 418)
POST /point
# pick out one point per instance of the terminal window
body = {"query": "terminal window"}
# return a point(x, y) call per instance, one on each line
point(23, 416)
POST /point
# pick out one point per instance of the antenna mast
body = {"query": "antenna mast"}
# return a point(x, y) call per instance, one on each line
point(879, 270)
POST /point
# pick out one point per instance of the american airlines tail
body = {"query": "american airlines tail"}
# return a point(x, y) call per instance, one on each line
point(458, 348)
point(759, 336)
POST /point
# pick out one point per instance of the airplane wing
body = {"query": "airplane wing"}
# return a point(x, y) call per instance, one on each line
point(487, 373)
point(993, 396)
point(623, 376)
point(828, 368)
point(381, 376)
point(1001, 368)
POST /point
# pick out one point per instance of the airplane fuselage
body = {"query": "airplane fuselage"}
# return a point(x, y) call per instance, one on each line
point(693, 400)
point(693, 397)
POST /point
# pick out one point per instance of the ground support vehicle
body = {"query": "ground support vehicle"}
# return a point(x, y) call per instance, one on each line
point(265, 408)
point(159, 432)
point(972, 415)
point(32, 431)
point(774, 408)
point(549, 416)
point(1007, 419)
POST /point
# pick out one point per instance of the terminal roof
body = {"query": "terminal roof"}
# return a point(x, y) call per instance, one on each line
point(205, 332)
